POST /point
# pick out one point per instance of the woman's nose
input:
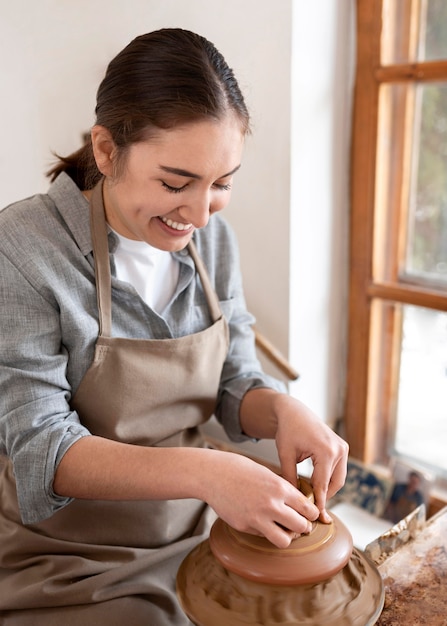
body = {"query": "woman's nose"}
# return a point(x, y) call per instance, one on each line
point(198, 210)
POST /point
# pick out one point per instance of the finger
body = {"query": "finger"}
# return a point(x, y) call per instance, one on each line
point(280, 537)
point(324, 517)
point(294, 535)
point(282, 533)
point(326, 480)
point(337, 479)
point(298, 513)
point(303, 503)
point(288, 468)
point(336, 482)
point(273, 532)
point(320, 482)
point(300, 505)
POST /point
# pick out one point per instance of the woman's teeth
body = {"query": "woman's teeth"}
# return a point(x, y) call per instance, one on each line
point(175, 225)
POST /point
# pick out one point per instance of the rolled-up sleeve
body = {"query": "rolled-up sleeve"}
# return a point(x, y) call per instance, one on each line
point(36, 423)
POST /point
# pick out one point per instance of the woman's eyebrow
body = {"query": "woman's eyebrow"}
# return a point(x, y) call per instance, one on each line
point(187, 174)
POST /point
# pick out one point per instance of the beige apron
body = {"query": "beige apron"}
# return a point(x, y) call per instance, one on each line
point(112, 563)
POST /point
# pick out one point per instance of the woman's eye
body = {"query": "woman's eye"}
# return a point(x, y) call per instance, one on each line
point(226, 187)
point(173, 189)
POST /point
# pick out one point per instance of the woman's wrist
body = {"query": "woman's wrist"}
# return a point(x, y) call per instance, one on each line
point(259, 412)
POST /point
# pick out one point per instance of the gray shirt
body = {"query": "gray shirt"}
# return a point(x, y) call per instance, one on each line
point(49, 326)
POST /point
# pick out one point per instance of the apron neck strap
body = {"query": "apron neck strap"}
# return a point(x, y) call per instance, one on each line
point(210, 294)
point(100, 245)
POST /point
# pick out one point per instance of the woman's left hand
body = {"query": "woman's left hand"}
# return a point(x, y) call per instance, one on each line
point(299, 435)
point(302, 435)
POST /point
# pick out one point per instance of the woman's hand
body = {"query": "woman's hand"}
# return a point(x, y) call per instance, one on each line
point(253, 499)
point(299, 435)
point(247, 495)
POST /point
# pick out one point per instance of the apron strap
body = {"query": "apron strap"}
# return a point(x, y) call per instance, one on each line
point(210, 294)
point(100, 244)
point(100, 241)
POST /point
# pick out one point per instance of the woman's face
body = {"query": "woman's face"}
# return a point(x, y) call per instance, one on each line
point(172, 183)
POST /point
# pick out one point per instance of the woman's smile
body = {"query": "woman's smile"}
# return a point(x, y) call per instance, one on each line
point(178, 226)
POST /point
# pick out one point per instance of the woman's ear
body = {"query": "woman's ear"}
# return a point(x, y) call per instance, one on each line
point(104, 150)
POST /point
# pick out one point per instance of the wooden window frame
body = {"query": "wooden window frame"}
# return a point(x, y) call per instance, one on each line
point(373, 335)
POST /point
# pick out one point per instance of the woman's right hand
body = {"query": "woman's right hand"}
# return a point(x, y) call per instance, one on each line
point(245, 494)
point(253, 499)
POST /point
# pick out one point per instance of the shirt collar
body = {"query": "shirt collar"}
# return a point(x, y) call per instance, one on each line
point(73, 206)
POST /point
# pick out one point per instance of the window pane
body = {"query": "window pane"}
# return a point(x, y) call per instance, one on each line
point(413, 31)
point(393, 173)
point(410, 227)
point(433, 44)
point(421, 428)
point(400, 31)
point(426, 256)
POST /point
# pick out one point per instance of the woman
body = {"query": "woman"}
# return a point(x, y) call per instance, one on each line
point(124, 329)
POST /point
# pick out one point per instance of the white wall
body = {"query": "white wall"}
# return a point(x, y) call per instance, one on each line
point(322, 84)
point(52, 57)
point(289, 206)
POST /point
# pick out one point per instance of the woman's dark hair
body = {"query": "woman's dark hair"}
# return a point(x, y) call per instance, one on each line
point(160, 80)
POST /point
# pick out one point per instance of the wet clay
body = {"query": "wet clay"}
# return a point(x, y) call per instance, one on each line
point(240, 579)
point(310, 558)
point(213, 596)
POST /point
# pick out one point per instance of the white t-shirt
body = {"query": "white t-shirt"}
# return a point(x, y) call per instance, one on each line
point(152, 272)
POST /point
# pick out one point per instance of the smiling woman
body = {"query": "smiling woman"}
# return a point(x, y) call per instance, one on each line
point(124, 329)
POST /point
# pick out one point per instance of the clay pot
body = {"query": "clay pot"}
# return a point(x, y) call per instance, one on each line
point(239, 579)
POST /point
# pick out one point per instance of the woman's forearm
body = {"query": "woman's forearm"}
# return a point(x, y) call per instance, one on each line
point(100, 469)
point(247, 495)
point(262, 409)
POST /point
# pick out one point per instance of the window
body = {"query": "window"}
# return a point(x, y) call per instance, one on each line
point(397, 361)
